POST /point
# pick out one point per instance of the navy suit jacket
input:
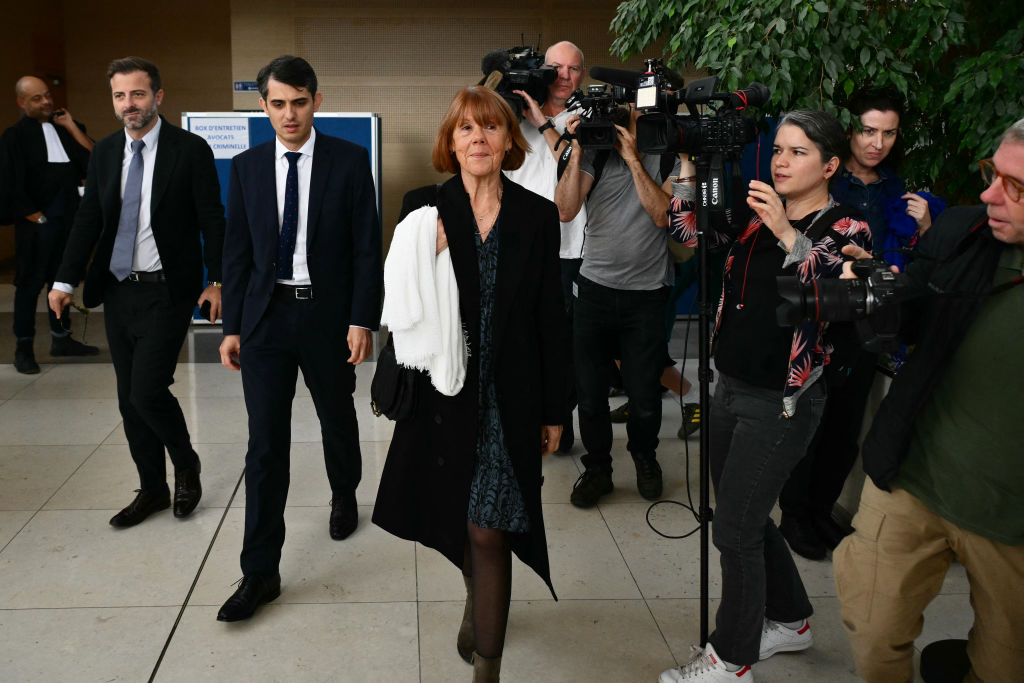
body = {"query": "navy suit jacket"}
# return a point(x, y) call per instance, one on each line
point(185, 203)
point(343, 240)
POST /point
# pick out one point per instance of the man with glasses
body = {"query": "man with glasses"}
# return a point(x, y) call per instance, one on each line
point(542, 127)
point(944, 452)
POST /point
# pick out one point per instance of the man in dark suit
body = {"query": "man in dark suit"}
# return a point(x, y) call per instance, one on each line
point(302, 275)
point(44, 159)
point(151, 193)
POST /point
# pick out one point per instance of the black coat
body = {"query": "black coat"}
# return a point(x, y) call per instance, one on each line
point(945, 288)
point(424, 490)
point(185, 205)
point(32, 182)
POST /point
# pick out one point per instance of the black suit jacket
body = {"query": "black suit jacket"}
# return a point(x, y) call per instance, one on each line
point(424, 491)
point(185, 204)
point(31, 182)
point(343, 240)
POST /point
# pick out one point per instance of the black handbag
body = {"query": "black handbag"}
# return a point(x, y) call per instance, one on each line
point(393, 388)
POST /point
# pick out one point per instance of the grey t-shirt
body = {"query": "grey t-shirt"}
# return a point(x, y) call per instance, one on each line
point(623, 248)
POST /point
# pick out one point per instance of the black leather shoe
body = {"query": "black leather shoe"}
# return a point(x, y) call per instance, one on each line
point(253, 591)
point(66, 346)
point(945, 661)
point(187, 491)
point(648, 477)
point(25, 358)
point(830, 531)
point(344, 516)
point(589, 488)
point(800, 534)
point(145, 504)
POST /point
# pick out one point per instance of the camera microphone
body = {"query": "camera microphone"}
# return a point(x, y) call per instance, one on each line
point(627, 79)
point(754, 95)
point(496, 60)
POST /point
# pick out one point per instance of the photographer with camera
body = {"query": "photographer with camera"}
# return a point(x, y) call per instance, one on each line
point(867, 181)
point(944, 452)
point(619, 306)
point(542, 128)
point(768, 399)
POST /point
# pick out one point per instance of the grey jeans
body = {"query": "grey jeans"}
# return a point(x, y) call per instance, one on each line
point(753, 450)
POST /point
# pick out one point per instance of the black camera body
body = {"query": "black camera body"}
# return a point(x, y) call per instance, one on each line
point(521, 68)
point(871, 301)
point(599, 113)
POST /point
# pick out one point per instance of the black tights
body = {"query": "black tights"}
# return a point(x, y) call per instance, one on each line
point(488, 560)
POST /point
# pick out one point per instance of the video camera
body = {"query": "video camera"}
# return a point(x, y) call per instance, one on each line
point(662, 131)
point(600, 109)
point(599, 113)
point(520, 68)
point(871, 301)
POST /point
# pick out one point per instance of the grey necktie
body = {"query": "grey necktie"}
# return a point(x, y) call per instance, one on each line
point(128, 225)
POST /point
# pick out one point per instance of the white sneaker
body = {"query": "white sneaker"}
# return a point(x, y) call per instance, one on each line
point(706, 667)
point(777, 638)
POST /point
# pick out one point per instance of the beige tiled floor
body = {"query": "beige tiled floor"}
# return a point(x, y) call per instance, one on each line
point(80, 601)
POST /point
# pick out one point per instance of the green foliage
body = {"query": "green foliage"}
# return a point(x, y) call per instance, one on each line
point(958, 63)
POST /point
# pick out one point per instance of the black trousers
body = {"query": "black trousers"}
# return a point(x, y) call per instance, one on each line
point(293, 335)
point(816, 483)
point(37, 251)
point(627, 325)
point(145, 331)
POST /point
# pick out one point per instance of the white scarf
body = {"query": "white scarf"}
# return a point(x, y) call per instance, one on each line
point(421, 303)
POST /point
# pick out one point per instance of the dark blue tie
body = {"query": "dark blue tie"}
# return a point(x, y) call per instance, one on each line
point(290, 220)
point(128, 224)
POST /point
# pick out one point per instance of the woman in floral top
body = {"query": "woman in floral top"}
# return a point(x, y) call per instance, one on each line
point(768, 399)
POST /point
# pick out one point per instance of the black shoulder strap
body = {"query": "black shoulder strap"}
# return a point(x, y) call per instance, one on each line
point(599, 161)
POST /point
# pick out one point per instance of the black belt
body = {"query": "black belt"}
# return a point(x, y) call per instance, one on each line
point(146, 276)
point(303, 292)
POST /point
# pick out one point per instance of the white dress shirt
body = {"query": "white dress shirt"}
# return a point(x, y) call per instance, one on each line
point(304, 167)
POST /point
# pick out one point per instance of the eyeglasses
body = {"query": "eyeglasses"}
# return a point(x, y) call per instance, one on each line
point(1014, 188)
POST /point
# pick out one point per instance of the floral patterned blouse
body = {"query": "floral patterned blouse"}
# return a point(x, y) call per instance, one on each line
point(809, 352)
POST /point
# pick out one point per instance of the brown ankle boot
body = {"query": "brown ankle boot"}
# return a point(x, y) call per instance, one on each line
point(486, 669)
point(465, 642)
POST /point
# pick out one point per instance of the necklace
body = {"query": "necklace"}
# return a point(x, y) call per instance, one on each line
point(485, 221)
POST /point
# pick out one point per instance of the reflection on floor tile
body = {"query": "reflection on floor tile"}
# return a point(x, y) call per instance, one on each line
point(83, 644)
point(29, 475)
point(57, 421)
point(82, 601)
point(283, 642)
point(74, 558)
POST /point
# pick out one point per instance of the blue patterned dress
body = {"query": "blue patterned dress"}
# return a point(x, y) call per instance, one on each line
point(495, 501)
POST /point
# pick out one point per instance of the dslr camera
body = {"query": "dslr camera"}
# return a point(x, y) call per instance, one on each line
point(871, 301)
point(521, 68)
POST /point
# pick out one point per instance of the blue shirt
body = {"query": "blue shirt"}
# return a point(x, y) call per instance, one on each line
point(870, 199)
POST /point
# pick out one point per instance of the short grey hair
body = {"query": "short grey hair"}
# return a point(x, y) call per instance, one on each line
point(1014, 133)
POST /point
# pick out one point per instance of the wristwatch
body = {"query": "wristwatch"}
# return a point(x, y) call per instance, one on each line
point(216, 284)
point(544, 126)
point(41, 220)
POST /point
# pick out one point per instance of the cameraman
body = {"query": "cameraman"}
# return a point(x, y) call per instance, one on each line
point(542, 127)
point(944, 452)
point(619, 303)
